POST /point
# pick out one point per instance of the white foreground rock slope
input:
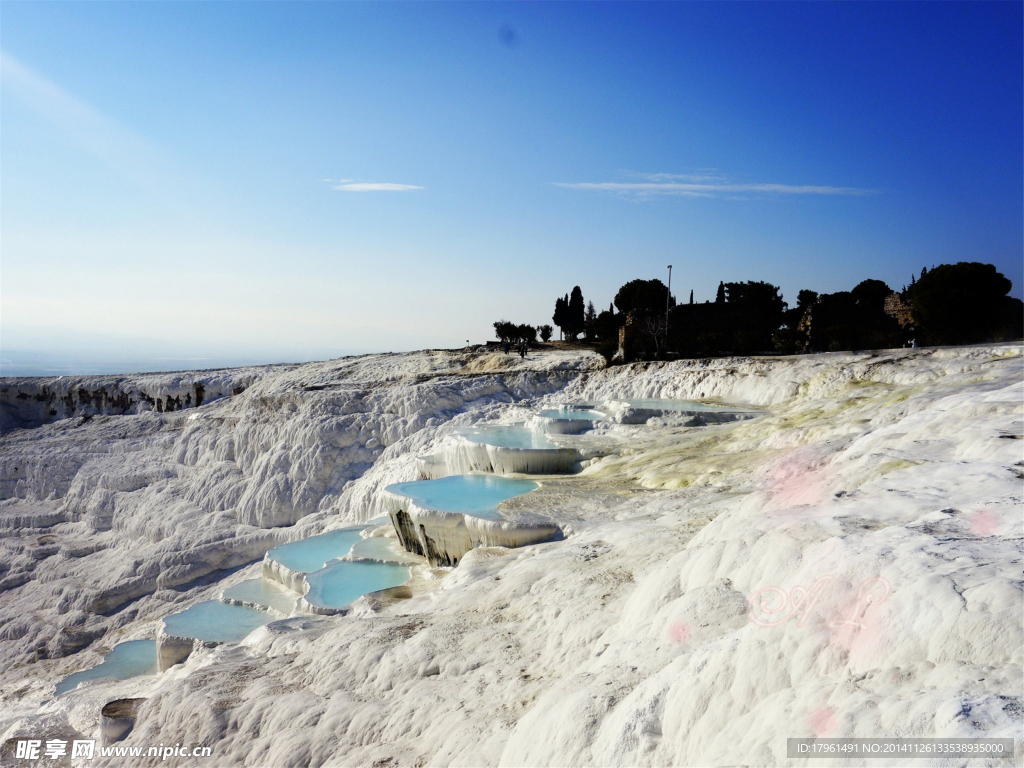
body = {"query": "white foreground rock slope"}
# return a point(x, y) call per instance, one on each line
point(848, 564)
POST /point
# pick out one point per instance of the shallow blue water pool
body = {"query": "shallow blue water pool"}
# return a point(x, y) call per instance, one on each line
point(312, 554)
point(507, 437)
point(262, 592)
point(125, 660)
point(477, 495)
point(216, 621)
point(574, 414)
point(341, 582)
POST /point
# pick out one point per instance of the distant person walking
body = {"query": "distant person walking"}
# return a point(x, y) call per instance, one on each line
point(505, 347)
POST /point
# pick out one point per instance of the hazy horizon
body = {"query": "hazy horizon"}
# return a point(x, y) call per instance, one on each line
point(94, 354)
point(25, 363)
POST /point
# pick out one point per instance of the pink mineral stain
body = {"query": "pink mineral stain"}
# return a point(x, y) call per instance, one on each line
point(795, 480)
point(984, 522)
point(823, 721)
point(679, 632)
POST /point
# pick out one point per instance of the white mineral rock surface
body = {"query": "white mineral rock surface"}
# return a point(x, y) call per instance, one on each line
point(847, 564)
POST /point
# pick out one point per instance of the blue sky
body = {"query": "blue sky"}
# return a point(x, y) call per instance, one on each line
point(288, 181)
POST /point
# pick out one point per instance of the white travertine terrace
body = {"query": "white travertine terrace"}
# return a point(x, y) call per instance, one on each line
point(550, 425)
point(172, 650)
point(274, 571)
point(629, 642)
point(445, 537)
point(462, 457)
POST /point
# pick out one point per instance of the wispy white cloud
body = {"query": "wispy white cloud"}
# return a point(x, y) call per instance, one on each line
point(647, 188)
point(706, 185)
point(706, 176)
point(123, 150)
point(350, 185)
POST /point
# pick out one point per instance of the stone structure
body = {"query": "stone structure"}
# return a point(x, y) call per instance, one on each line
point(627, 334)
point(895, 307)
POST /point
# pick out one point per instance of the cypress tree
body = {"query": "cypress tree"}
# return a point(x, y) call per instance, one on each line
point(588, 320)
point(561, 310)
point(576, 314)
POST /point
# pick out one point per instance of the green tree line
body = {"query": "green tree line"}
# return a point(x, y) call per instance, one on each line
point(962, 303)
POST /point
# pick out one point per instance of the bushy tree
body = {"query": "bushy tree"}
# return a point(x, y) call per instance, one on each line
point(951, 304)
point(791, 317)
point(700, 330)
point(806, 298)
point(561, 316)
point(639, 297)
point(789, 340)
point(607, 324)
point(871, 294)
point(764, 296)
point(545, 332)
point(589, 318)
point(526, 333)
point(964, 303)
point(505, 331)
point(1009, 320)
point(855, 320)
point(835, 322)
point(644, 303)
point(756, 313)
point(511, 332)
point(743, 319)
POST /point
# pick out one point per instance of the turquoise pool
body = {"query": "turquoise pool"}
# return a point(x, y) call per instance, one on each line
point(216, 621)
point(574, 414)
point(477, 495)
point(262, 592)
point(342, 582)
point(125, 660)
point(312, 554)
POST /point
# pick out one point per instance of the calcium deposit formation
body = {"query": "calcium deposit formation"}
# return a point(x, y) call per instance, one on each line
point(467, 558)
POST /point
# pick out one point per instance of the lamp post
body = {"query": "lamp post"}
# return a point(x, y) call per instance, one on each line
point(668, 295)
